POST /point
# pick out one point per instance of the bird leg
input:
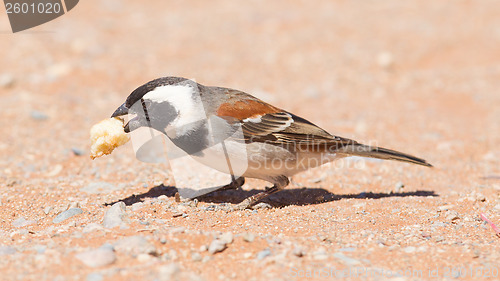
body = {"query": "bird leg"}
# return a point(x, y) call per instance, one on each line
point(235, 184)
point(280, 183)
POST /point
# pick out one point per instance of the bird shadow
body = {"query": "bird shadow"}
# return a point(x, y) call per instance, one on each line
point(292, 196)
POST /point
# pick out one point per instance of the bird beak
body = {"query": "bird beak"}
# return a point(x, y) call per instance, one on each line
point(120, 111)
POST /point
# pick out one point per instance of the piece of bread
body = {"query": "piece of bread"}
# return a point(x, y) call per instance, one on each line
point(106, 136)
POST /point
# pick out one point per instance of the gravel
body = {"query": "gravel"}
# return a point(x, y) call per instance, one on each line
point(97, 257)
point(67, 214)
point(115, 216)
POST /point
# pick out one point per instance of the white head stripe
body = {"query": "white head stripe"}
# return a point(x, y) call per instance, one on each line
point(185, 99)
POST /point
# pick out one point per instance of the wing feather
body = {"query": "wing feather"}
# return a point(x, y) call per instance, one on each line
point(284, 128)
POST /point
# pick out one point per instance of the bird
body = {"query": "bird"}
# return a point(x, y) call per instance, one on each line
point(187, 112)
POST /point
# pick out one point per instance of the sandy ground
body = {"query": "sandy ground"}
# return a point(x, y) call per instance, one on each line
point(417, 76)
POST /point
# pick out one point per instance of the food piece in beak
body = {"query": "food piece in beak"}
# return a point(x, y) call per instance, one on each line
point(106, 136)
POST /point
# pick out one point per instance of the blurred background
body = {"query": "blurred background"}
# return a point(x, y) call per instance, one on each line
point(416, 76)
point(374, 70)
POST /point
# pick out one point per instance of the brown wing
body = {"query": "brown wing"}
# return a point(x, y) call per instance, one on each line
point(284, 128)
point(265, 123)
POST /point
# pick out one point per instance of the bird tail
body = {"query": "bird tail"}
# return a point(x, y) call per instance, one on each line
point(380, 153)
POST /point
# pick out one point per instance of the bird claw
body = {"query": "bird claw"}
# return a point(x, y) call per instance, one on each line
point(245, 204)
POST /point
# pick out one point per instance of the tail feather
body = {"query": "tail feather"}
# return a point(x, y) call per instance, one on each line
point(381, 153)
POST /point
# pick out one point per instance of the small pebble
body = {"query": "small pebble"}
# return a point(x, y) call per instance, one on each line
point(178, 214)
point(409, 249)
point(348, 249)
point(263, 254)
point(445, 207)
point(137, 206)
point(22, 222)
point(114, 216)
point(346, 260)
point(385, 60)
point(399, 187)
point(6, 80)
point(144, 258)
point(227, 237)
point(91, 227)
point(178, 229)
point(162, 197)
point(94, 276)
point(298, 251)
point(97, 258)
point(7, 250)
point(174, 272)
point(47, 210)
point(99, 187)
point(262, 206)
point(320, 254)
point(38, 115)
point(134, 245)
point(170, 270)
point(480, 197)
point(77, 151)
point(67, 214)
point(438, 239)
point(452, 216)
point(248, 237)
point(217, 246)
point(195, 256)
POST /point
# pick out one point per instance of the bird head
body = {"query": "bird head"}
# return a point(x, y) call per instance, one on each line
point(163, 102)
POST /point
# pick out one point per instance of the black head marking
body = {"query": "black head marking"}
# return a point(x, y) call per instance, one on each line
point(138, 93)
